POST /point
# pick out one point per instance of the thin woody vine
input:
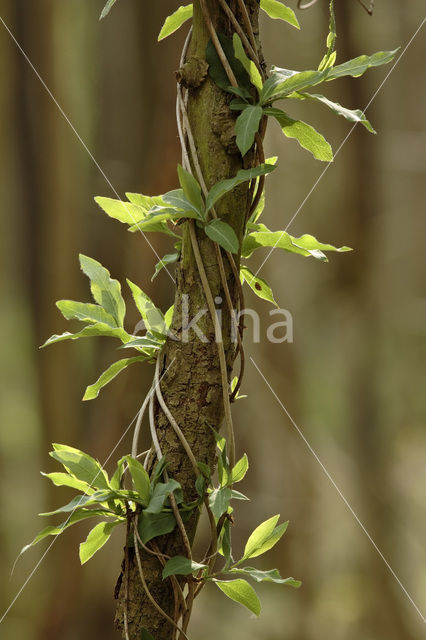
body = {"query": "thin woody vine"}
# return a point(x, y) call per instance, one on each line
point(141, 493)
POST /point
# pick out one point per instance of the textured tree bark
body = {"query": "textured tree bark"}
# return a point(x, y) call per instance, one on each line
point(191, 383)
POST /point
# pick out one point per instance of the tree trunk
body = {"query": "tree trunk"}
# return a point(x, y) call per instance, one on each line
point(191, 383)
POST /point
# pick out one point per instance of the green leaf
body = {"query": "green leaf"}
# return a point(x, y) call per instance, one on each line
point(306, 245)
point(151, 525)
point(115, 482)
point(330, 57)
point(140, 477)
point(79, 502)
point(107, 8)
point(96, 539)
point(358, 66)
point(98, 329)
point(246, 127)
point(219, 500)
point(223, 234)
point(240, 591)
point(276, 9)
point(105, 290)
point(145, 635)
point(218, 73)
point(122, 211)
point(175, 21)
point(56, 530)
point(307, 136)
point(282, 82)
point(160, 494)
point(60, 479)
point(81, 465)
point(259, 286)
point(191, 189)
point(93, 390)
point(249, 65)
point(169, 258)
point(240, 469)
point(85, 312)
point(226, 546)
point(181, 566)
point(263, 538)
point(147, 344)
point(353, 115)
point(151, 315)
point(273, 575)
point(225, 186)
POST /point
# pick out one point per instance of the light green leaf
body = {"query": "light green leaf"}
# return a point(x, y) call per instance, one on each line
point(282, 82)
point(358, 66)
point(122, 211)
point(219, 500)
point(240, 469)
point(224, 186)
point(259, 285)
point(85, 312)
point(168, 316)
point(246, 127)
point(79, 502)
point(276, 9)
point(160, 494)
point(175, 21)
point(105, 290)
point(263, 538)
point(181, 566)
point(107, 8)
point(249, 65)
point(240, 591)
point(80, 465)
point(191, 189)
point(93, 390)
point(98, 329)
point(151, 525)
point(353, 115)
point(223, 234)
point(330, 57)
point(60, 479)
point(307, 136)
point(306, 245)
point(169, 258)
point(151, 315)
point(53, 530)
point(115, 482)
point(140, 477)
point(273, 575)
point(96, 539)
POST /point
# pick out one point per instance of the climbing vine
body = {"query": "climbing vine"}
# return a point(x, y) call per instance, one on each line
point(141, 494)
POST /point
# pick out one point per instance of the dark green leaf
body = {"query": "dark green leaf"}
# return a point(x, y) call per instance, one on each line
point(240, 591)
point(225, 186)
point(246, 127)
point(216, 70)
point(219, 500)
point(181, 566)
point(307, 136)
point(93, 390)
point(191, 189)
point(152, 525)
point(96, 539)
point(160, 493)
point(276, 9)
point(223, 234)
point(175, 21)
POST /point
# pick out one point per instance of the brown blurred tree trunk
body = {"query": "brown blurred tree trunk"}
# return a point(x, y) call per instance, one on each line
point(191, 384)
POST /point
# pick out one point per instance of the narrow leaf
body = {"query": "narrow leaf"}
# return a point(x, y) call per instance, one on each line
point(277, 10)
point(240, 591)
point(191, 189)
point(151, 315)
point(282, 82)
point(353, 115)
point(98, 329)
point(307, 136)
point(169, 258)
point(273, 575)
point(175, 21)
point(107, 8)
point(358, 66)
point(105, 290)
point(218, 73)
point(223, 234)
point(246, 127)
point(93, 390)
point(225, 186)
point(249, 65)
point(181, 566)
point(140, 477)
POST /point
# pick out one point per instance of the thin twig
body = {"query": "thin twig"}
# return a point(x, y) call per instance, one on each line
point(217, 45)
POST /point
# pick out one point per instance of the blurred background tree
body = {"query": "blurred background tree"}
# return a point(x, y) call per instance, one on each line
point(353, 379)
